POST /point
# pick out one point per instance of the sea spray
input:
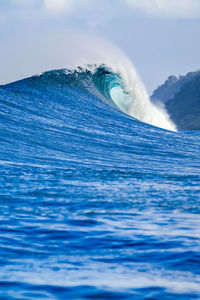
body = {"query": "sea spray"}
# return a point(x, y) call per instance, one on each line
point(121, 84)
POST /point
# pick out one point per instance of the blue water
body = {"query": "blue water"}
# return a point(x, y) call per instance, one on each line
point(94, 203)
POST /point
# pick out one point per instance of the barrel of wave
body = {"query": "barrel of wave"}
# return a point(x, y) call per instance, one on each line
point(131, 97)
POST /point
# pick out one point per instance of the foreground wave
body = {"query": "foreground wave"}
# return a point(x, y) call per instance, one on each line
point(94, 202)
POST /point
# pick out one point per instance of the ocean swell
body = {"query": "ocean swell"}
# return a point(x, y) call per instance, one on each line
point(94, 203)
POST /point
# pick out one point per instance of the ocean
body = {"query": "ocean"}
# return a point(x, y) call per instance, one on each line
point(99, 193)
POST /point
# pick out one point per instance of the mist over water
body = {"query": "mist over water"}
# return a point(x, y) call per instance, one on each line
point(129, 93)
point(122, 84)
point(131, 97)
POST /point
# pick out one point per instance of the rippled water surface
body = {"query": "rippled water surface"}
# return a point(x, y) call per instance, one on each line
point(94, 204)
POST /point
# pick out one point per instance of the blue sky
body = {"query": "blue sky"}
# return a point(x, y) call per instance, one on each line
point(161, 37)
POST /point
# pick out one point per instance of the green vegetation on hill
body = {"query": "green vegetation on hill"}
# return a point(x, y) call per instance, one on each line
point(184, 108)
point(182, 100)
point(171, 86)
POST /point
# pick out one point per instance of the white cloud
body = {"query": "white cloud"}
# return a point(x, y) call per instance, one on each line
point(168, 8)
point(161, 8)
point(58, 6)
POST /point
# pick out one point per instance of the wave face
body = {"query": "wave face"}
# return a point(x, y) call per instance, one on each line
point(126, 91)
point(94, 202)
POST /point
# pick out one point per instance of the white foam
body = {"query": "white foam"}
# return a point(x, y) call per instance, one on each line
point(132, 97)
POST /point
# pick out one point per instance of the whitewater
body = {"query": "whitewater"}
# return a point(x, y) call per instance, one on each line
point(99, 192)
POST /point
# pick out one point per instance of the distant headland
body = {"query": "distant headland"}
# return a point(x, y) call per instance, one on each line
point(181, 97)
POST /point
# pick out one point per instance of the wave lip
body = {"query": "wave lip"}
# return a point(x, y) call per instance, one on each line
point(126, 91)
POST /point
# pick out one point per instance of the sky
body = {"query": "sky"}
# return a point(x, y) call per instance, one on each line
point(161, 37)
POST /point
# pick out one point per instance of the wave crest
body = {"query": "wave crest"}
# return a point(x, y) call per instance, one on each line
point(124, 89)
